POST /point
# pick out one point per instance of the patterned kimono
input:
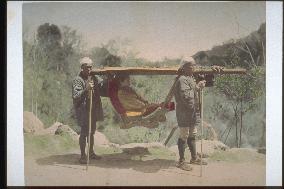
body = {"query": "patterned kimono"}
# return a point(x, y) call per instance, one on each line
point(81, 102)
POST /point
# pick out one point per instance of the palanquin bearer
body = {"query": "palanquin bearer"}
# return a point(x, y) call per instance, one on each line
point(82, 84)
point(188, 112)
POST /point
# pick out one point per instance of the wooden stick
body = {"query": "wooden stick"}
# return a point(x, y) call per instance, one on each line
point(90, 125)
point(171, 92)
point(170, 135)
point(201, 116)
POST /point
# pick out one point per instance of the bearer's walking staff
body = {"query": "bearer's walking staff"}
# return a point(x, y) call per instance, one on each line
point(201, 118)
point(90, 124)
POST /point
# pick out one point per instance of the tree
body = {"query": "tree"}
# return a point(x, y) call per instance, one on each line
point(241, 92)
point(103, 57)
point(49, 44)
point(50, 63)
point(72, 50)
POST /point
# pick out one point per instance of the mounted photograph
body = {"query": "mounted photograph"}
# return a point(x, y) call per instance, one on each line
point(144, 93)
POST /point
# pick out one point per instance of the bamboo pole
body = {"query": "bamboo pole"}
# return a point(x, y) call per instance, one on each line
point(161, 71)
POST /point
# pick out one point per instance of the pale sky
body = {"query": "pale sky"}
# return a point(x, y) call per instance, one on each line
point(155, 29)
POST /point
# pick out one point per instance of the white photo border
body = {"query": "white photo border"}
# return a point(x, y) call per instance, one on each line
point(15, 141)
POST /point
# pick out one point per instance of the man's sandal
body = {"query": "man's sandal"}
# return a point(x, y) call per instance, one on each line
point(197, 161)
point(184, 166)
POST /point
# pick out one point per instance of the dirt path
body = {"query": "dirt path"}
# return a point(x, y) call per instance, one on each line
point(119, 170)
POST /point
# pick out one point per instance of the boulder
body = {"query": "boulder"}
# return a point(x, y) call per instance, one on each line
point(100, 139)
point(65, 129)
point(31, 123)
point(51, 130)
point(136, 151)
point(208, 147)
point(59, 129)
point(212, 134)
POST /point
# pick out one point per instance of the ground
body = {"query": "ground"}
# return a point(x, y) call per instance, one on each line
point(153, 167)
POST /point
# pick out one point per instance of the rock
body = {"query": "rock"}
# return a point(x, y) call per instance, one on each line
point(51, 130)
point(174, 149)
point(100, 139)
point(59, 129)
point(203, 155)
point(213, 134)
point(208, 147)
point(114, 145)
point(65, 129)
point(136, 150)
point(31, 123)
point(261, 150)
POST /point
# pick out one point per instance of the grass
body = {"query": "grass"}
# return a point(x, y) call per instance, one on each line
point(237, 156)
point(48, 144)
point(107, 150)
point(56, 144)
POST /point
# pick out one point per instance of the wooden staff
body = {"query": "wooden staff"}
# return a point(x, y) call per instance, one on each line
point(201, 116)
point(90, 125)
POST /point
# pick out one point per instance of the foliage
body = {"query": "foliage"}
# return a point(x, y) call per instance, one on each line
point(48, 144)
point(241, 93)
point(245, 52)
point(244, 155)
point(244, 88)
point(48, 68)
point(51, 61)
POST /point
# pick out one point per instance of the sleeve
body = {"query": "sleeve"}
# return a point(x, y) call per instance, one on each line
point(78, 90)
point(187, 92)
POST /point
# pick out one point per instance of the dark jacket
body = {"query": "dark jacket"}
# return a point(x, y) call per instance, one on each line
point(81, 100)
point(186, 101)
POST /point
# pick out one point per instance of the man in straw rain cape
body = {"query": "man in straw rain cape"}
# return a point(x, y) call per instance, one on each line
point(187, 112)
point(82, 84)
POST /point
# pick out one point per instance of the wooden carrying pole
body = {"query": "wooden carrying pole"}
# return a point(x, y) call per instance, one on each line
point(90, 125)
point(171, 92)
point(161, 71)
point(167, 100)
